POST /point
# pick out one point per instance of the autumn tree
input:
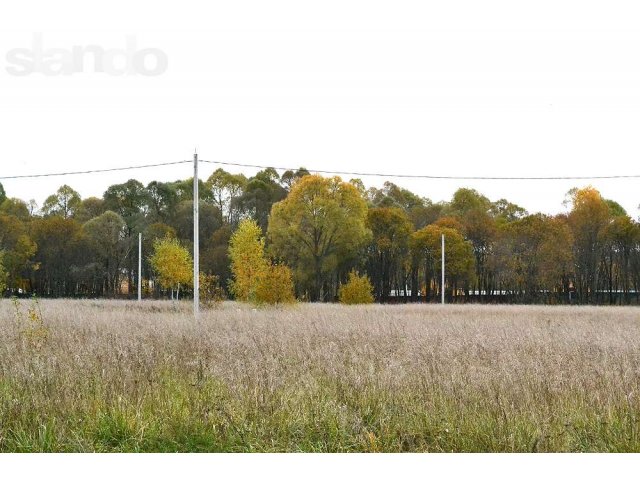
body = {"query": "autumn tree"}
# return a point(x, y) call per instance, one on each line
point(533, 257)
point(246, 251)
point(426, 247)
point(255, 279)
point(173, 264)
point(388, 250)
point(588, 219)
point(274, 286)
point(19, 250)
point(320, 224)
point(357, 290)
point(479, 227)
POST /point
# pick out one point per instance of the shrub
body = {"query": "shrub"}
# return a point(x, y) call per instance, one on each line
point(211, 293)
point(357, 290)
point(275, 286)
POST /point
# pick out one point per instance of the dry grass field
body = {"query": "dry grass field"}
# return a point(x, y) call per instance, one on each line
point(118, 376)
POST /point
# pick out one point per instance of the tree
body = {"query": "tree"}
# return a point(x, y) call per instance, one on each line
point(320, 224)
point(214, 258)
point(89, 208)
point(224, 189)
point(162, 199)
point(588, 218)
point(289, 177)
point(19, 249)
point(61, 249)
point(16, 208)
point(357, 290)
point(533, 257)
point(110, 245)
point(388, 251)
point(64, 203)
point(172, 263)
point(274, 286)
point(248, 263)
point(3, 272)
point(473, 211)
point(3, 194)
point(259, 195)
point(426, 245)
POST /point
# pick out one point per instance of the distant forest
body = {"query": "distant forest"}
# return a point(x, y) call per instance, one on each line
point(324, 228)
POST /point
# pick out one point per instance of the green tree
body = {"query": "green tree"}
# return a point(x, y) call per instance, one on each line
point(3, 194)
point(64, 203)
point(110, 245)
point(225, 188)
point(259, 195)
point(318, 225)
point(60, 251)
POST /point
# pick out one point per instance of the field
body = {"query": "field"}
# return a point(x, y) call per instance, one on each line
point(118, 376)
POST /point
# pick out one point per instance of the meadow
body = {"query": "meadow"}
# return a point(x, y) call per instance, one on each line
point(112, 376)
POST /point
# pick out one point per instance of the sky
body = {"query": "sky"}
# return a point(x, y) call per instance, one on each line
point(492, 88)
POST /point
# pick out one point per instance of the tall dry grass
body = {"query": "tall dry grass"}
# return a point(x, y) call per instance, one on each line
point(118, 376)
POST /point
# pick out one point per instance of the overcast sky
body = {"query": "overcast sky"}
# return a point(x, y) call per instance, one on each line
point(433, 88)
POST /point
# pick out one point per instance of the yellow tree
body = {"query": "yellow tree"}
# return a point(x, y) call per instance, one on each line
point(172, 263)
point(254, 278)
point(320, 224)
point(246, 251)
point(357, 290)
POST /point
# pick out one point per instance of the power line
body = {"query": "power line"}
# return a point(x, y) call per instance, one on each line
point(326, 172)
point(103, 170)
point(428, 177)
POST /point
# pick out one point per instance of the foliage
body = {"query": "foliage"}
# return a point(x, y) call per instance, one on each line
point(322, 228)
point(172, 263)
point(357, 290)
point(275, 286)
point(3, 274)
point(320, 225)
point(32, 327)
point(426, 246)
point(248, 264)
point(65, 202)
point(211, 293)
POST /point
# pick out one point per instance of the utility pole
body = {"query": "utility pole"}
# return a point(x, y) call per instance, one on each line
point(442, 284)
point(139, 267)
point(196, 239)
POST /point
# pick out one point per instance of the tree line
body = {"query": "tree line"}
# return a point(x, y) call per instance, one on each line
point(322, 229)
